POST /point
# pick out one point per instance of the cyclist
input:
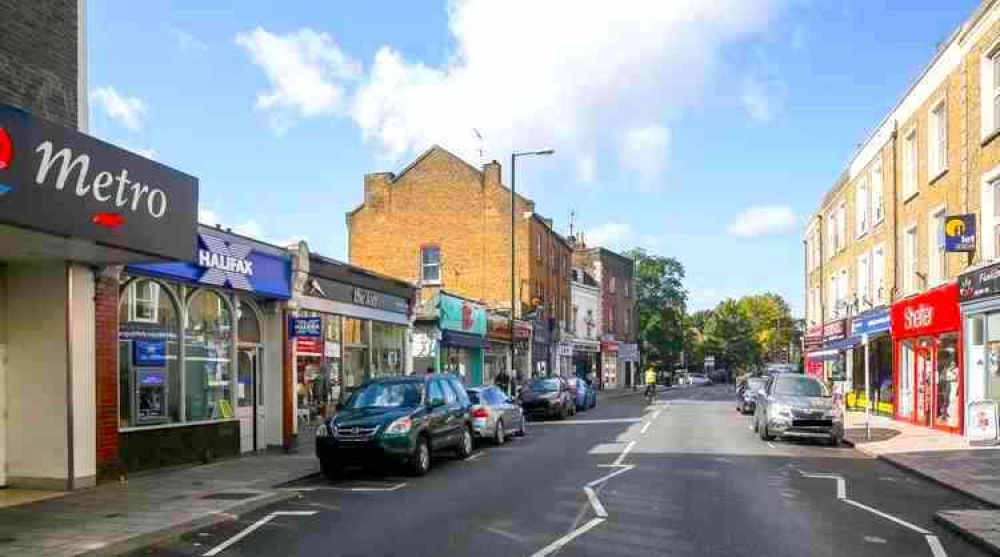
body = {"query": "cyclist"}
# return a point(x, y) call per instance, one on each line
point(650, 382)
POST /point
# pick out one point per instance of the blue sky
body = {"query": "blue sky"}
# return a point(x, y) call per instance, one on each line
point(702, 129)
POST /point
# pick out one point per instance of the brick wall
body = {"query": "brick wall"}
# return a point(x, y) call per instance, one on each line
point(38, 57)
point(617, 302)
point(106, 371)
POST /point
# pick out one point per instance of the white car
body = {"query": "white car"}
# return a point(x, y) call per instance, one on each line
point(699, 380)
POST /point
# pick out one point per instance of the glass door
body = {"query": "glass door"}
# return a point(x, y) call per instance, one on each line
point(246, 397)
point(907, 367)
point(947, 406)
point(924, 377)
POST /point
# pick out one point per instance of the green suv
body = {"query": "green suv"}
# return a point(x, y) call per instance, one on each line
point(399, 420)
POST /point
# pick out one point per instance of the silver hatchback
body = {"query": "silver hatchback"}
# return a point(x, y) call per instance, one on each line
point(798, 406)
point(494, 415)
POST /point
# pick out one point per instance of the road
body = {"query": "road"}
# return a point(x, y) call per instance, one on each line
point(682, 477)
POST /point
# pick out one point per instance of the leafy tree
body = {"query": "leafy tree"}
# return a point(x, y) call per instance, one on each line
point(661, 303)
point(772, 323)
point(730, 336)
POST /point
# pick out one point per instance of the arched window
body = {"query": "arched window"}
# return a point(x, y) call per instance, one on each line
point(247, 324)
point(208, 357)
point(148, 349)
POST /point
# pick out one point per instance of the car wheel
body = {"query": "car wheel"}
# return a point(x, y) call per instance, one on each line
point(834, 441)
point(464, 448)
point(329, 469)
point(421, 462)
point(499, 435)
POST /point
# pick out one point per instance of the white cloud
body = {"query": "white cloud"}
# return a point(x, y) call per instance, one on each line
point(127, 111)
point(187, 42)
point(644, 151)
point(586, 169)
point(759, 221)
point(306, 71)
point(763, 93)
point(621, 236)
point(562, 73)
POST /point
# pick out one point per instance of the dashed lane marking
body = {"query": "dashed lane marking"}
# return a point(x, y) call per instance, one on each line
point(645, 427)
point(250, 529)
point(337, 488)
point(624, 454)
point(591, 422)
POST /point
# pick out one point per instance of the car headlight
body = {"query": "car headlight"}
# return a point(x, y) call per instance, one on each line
point(323, 431)
point(401, 426)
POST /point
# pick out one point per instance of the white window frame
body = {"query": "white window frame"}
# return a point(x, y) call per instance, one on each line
point(937, 140)
point(910, 161)
point(863, 277)
point(878, 274)
point(424, 265)
point(834, 310)
point(842, 226)
point(988, 221)
point(877, 188)
point(937, 268)
point(135, 300)
point(843, 288)
point(910, 255)
point(989, 89)
point(861, 207)
point(831, 234)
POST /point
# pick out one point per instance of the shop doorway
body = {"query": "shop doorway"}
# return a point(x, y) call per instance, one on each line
point(249, 398)
point(3, 415)
point(907, 367)
point(924, 374)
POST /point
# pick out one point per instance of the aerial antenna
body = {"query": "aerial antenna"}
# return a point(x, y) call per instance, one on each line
point(479, 136)
point(572, 216)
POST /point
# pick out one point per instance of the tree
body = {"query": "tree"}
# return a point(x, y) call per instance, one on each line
point(661, 301)
point(729, 335)
point(772, 323)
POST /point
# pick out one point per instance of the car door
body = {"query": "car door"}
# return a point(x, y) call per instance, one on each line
point(455, 421)
point(498, 404)
point(437, 420)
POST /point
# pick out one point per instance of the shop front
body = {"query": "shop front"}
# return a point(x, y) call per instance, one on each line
point(926, 331)
point(522, 351)
point(609, 364)
point(628, 363)
point(586, 358)
point(345, 325)
point(812, 342)
point(199, 353)
point(463, 338)
point(541, 348)
point(498, 336)
point(73, 210)
point(871, 379)
point(979, 293)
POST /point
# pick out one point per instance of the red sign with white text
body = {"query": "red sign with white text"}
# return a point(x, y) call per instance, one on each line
point(309, 345)
point(934, 311)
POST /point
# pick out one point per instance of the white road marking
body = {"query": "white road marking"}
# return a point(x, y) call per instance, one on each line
point(504, 533)
point(645, 427)
point(875, 539)
point(359, 489)
point(656, 414)
point(937, 550)
point(625, 452)
point(250, 529)
point(621, 470)
point(474, 456)
point(770, 444)
point(595, 502)
point(591, 422)
point(556, 545)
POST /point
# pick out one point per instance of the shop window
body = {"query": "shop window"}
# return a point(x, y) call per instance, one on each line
point(993, 355)
point(946, 407)
point(910, 165)
point(878, 203)
point(247, 325)
point(355, 352)
point(144, 301)
point(388, 345)
point(148, 365)
point(430, 265)
point(937, 140)
point(207, 358)
point(907, 366)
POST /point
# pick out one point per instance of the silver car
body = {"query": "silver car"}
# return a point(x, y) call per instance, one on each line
point(797, 406)
point(494, 415)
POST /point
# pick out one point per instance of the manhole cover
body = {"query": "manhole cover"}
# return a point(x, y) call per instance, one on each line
point(229, 496)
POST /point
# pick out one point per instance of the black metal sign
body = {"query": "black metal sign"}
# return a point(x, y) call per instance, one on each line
point(56, 180)
point(980, 283)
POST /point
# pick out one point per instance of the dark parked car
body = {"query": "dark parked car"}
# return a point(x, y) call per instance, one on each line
point(494, 415)
point(746, 394)
point(584, 395)
point(547, 397)
point(401, 421)
point(795, 405)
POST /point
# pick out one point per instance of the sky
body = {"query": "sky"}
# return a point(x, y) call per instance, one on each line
point(705, 130)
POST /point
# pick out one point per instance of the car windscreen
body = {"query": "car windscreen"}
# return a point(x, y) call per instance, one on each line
point(800, 386)
point(545, 385)
point(386, 395)
point(474, 397)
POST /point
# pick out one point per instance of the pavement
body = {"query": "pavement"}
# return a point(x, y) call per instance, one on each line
point(115, 518)
point(684, 476)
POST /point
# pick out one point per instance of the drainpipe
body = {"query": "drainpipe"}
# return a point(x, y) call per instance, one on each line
point(895, 212)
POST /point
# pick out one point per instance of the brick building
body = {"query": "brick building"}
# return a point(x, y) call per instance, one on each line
point(445, 225)
point(620, 330)
point(876, 244)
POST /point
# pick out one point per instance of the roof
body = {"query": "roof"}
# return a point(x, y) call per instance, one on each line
point(359, 276)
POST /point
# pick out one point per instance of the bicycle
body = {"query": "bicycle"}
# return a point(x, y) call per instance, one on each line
point(650, 393)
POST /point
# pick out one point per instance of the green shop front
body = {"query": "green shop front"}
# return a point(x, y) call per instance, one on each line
point(462, 344)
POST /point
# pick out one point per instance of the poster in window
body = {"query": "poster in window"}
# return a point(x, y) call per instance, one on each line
point(149, 353)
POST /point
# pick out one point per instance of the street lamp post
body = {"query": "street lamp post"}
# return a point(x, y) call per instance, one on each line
point(513, 253)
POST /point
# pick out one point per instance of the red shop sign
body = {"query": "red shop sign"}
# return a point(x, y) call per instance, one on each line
point(934, 311)
point(835, 330)
point(814, 334)
point(309, 345)
point(609, 346)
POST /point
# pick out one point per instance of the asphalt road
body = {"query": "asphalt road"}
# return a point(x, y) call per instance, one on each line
point(682, 477)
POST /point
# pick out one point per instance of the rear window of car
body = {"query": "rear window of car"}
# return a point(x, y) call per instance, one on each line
point(545, 385)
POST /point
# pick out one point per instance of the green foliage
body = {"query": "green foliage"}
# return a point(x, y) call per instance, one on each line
point(661, 301)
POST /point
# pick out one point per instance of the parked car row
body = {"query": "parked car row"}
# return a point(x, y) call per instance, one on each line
point(791, 405)
point(407, 421)
point(694, 379)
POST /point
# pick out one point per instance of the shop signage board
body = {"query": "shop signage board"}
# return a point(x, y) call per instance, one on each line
point(628, 352)
point(522, 330)
point(230, 262)
point(456, 314)
point(871, 322)
point(306, 327)
point(981, 424)
point(309, 345)
point(934, 311)
point(960, 233)
point(424, 345)
point(498, 327)
point(149, 353)
point(329, 289)
point(56, 180)
point(981, 283)
point(609, 346)
point(365, 297)
point(814, 368)
point(565, 349)
point(835, 330)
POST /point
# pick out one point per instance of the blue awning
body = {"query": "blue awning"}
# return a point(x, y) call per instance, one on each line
point(833, 350)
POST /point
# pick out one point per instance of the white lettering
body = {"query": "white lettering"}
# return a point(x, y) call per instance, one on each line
point(123, 183)
point(226, 263)
point(138, 189)
point(157, 203)
point(103, 180)
point(918, 317)
point(80, 163)
point(204, 258)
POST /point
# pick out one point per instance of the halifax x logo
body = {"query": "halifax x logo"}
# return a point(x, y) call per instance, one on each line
point(225, 258)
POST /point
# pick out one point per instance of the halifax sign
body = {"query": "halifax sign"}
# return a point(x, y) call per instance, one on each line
point(56, 180)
